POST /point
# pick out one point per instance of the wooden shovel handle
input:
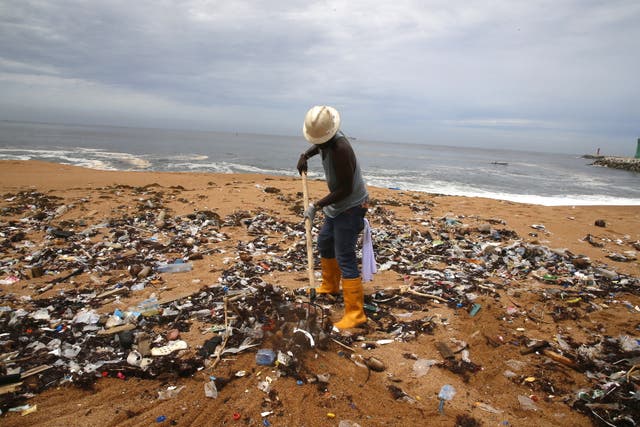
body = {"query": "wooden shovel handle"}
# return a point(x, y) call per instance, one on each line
point(307, 226)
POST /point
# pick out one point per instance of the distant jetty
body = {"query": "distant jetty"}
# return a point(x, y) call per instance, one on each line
point(624, 163)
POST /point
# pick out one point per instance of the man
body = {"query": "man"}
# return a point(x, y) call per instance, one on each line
point(344, 209)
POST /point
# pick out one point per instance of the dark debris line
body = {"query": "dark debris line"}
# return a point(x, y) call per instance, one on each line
point(64, 335)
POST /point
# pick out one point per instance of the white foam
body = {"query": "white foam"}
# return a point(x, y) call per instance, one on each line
point(15, 157)
point(439, 187)
point(60, 156)
point(204, 167)
point(188, 157)
point(93, 164)
point(101, 159)
point(228, 167)
point(135, 161)
point(254, 169)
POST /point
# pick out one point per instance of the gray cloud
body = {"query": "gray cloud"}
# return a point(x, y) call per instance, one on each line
point(558, 75)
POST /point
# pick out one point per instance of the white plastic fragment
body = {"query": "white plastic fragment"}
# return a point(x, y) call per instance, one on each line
point(527, 404)
point(210, 390)
point(421, 367)
point(170, 392)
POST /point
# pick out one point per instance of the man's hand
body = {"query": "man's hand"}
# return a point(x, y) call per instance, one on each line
point(310, 212)
point(302, 163)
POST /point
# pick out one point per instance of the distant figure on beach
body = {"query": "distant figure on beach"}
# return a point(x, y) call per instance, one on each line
point(598, 152)
point(344, 209)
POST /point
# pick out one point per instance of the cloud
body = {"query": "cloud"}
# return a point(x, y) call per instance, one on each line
point(402, 70)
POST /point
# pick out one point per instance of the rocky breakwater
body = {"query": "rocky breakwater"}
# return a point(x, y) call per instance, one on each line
point(625, 163)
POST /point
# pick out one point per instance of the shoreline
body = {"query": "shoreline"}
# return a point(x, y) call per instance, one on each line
point(454, 191)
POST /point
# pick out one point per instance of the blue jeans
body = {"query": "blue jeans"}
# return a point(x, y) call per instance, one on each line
point(338, 238)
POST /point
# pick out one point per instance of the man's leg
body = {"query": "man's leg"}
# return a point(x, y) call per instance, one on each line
point(330, 269)
point(347, 227)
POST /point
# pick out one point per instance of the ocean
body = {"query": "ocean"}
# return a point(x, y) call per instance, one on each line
point(549, 179)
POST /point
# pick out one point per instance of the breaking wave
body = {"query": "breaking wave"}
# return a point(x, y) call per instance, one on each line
point(85, 157)
point(95, 158)
point(453, 189)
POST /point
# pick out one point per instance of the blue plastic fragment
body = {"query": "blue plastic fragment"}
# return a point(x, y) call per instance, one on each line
point(475, 309)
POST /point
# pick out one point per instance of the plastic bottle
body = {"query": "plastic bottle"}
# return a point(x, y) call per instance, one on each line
point(149, 307)
point(265, 357)
point(177, 267)
point(446, 393)
point(137, 287)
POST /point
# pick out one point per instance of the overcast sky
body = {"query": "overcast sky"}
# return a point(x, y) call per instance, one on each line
point(555, 75)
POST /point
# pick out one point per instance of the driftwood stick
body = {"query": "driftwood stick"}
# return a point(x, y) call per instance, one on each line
point(560, 358)
point(342, 345)
point(420, 294)
point(220, 348)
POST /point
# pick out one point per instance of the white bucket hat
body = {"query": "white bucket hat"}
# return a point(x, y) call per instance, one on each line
point(320, 124)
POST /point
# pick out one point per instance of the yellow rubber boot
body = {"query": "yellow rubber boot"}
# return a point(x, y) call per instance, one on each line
point(330, 276)
point(353, 304)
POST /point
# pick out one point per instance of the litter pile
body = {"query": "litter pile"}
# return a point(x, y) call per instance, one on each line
point(66, 338)
point(484, 260)
point(48, 341)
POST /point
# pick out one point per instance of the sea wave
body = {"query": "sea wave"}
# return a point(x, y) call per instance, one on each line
point(65, 157)
point(186, 158)
point(228, 167)
point(100, 159)
point(91, 158)
point(454, 189)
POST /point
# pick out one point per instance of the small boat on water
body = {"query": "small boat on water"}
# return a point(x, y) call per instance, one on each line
point(500, 163)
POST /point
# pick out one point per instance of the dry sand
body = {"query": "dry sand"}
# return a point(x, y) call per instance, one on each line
point(97, 195)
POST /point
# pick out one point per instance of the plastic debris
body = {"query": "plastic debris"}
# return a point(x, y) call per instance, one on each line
point(264, 386)
point(487, 408)
point(527, 404)
point(445, 263)
point(446, 393)
point(170, 392)
point(210, 389)
point(9, 280)
point(474, 309)
point(169, 348)
point(421, 367)
point(177, 267)
point(265, 357)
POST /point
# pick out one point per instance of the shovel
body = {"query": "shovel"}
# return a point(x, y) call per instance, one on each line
point(307, 226)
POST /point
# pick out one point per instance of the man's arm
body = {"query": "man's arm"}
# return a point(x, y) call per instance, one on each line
point(302, 161)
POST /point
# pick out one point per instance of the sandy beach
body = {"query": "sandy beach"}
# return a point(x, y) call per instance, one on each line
point(233, 221)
